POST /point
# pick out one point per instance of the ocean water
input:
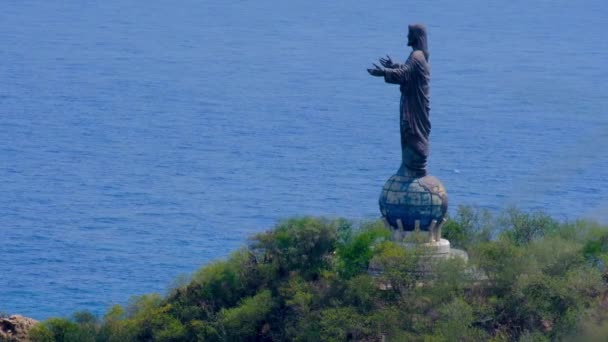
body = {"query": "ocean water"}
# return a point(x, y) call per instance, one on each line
point(141, 140)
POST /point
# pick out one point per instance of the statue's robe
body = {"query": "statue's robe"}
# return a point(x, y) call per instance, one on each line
point(414, 79)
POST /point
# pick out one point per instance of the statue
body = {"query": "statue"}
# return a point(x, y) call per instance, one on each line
point(412, 199)
point(413, 78)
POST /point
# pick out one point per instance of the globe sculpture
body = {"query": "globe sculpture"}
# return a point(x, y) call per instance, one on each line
point(408, 203)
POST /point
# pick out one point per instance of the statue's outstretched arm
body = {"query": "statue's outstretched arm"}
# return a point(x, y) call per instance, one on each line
point(401, 75)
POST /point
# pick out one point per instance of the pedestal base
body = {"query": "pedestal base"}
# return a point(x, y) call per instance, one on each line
point(432, 252)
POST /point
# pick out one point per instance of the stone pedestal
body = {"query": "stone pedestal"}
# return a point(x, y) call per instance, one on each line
point(442, 249)
point(435, 246)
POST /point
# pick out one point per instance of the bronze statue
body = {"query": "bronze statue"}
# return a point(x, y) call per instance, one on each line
point(411, 199)
point(413, 77)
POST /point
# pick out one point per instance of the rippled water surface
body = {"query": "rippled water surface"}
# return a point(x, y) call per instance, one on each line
point(141, 140)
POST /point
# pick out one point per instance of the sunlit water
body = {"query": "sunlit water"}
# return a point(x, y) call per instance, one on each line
point(141, 140)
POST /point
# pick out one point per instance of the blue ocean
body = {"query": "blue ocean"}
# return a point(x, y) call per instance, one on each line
point(141, 140)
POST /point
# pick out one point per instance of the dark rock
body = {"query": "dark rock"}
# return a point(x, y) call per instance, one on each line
point(16, 328)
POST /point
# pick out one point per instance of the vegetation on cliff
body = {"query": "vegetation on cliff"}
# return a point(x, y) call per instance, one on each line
point(529, 278)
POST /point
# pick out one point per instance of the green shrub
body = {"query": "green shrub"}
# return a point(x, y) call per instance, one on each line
point(58, 329)
point(455, 323)
point(298, 245)
point(399, 267)
point(41, 333)
point(343, 324)
point(522, 228)
point(356, 249)
point(223, 283)
point(245, 322)
point(468, 227)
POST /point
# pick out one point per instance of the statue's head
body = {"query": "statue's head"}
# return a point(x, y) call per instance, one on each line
point(416, 38)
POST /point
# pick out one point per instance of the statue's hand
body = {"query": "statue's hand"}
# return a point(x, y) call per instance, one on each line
point(387, 62)
point(377, 71)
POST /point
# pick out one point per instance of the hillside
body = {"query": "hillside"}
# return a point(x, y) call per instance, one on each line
point(529, 278)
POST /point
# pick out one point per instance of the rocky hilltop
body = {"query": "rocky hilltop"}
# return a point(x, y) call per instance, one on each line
point(16, 328)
